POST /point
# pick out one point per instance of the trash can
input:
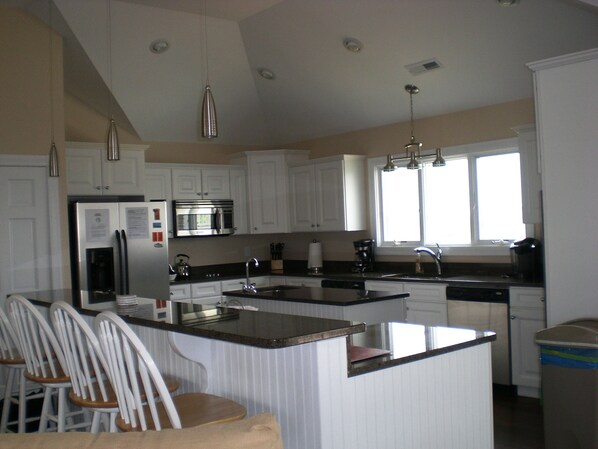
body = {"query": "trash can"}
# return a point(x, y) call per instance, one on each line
point(569, 357)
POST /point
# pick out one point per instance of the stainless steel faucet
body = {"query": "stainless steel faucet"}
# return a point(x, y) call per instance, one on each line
point(435, 255)
point(249, 287)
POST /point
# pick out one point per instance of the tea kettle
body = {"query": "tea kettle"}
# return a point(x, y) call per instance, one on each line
point(182, 266)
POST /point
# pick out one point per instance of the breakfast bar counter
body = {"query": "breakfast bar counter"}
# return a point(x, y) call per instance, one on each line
point(331, 384)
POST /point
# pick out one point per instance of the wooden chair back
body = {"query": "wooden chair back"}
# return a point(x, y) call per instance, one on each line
point(84, 357)
point(39, 347)
point(133, 373)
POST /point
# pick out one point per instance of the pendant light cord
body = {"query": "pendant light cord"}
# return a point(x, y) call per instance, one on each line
point(51, 65)
point(109, 43)
point(205, 30)
point(411, 102)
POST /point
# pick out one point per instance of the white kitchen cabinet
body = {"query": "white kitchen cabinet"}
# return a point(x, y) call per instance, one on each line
point(158, 186)
point(88, 172)
point(328, 195)
point(426, 304)
point(180, 292)
point(528, 316)
point(566, 100)
point(238, 193)
point(531, 183)
point(208, 183)
point(390, 286)
point(206, 292)
point(267, 180)
point(303, 281)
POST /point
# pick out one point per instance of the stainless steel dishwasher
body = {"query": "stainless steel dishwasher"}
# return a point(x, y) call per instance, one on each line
point(484, 308)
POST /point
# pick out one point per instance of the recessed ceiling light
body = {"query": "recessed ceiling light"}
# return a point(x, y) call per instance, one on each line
point(507, 2)
point(159, 46)
point(266, 74)
point(353, 45)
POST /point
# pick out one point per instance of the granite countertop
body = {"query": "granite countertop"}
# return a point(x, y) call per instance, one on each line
point(487, 280)
point(318, 295)
point(407, 343)
point(252, 328)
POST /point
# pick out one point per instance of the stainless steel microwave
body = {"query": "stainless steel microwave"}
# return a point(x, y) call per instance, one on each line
point(198, 218)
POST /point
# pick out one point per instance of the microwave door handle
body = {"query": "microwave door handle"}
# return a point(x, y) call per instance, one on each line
point(125, 263)
point(220, 220)
point(120, 263)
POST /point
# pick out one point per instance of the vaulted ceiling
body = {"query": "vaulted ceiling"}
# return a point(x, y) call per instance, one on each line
point(319, 87)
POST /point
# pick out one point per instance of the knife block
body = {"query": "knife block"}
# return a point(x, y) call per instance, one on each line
point(276, 265)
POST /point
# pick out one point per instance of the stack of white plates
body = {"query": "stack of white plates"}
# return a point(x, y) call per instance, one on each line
point(126, 304)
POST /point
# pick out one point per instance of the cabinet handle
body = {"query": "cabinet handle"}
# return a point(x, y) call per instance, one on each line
point(255, 229)
point(106, 187)
point(513, 317)
point(199, 194)
point(98, 187)
point(171, 293)
point(313, 225)
point(542, 299)
point(205, 194)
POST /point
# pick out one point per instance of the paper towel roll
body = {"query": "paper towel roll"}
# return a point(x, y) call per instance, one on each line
point(314, 256)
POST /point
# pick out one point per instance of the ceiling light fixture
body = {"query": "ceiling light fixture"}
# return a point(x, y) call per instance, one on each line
point(159, 46)
point(353, 45)
point(112, 145)
point(53, 163)
point(413, 148)
point(266, 74)
point(508, 2)
point(209, 124)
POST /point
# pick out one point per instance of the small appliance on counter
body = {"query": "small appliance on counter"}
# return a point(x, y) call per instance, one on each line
point(526, 259)
point(364, 255)
point(314, 257)
point(276, 256)
point(183, 269)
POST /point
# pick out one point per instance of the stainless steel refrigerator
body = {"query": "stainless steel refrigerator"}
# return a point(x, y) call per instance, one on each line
point(119, 248)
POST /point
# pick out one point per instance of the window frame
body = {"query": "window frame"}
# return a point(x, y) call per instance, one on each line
point(477, 247)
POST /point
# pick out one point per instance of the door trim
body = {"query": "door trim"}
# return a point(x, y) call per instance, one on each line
point(53, 197)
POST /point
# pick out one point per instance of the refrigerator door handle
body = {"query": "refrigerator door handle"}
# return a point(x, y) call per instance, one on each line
point(125, 263)
point(121, 286)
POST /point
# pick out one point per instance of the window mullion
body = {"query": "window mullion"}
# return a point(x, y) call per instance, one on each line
point(422, 206)
point(473, 195)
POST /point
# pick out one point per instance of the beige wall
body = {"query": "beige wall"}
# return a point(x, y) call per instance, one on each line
point(29, 108)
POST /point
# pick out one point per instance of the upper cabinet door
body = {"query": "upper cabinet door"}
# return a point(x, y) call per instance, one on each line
point(84, 172)
point(88, 171)
point(330, 193)
point(215, 183)
point(302, 198)
point(126, 176)
point(186, 184)
point(238, 193)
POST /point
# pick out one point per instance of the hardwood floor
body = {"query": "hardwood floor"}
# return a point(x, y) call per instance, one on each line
point(517, 421)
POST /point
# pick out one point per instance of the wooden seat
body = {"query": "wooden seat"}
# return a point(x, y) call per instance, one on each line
point(126, 354)
point(44, 363)
point(14, 363)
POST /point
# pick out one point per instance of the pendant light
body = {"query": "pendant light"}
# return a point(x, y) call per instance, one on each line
point(413, 148)
point(112, 145)
point(209, 123)
point(54, 171)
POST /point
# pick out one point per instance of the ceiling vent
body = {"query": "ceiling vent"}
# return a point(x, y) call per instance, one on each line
point(417, 68)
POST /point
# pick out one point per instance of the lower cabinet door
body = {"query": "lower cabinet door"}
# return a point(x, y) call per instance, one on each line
point(426, 312)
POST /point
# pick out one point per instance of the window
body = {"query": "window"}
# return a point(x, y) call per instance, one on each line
point(472, 202)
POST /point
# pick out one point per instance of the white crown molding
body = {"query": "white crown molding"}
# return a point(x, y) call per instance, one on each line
point(559, 61)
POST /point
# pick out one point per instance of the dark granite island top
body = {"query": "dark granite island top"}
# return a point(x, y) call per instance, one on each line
point(319, 295)
point(259, 329)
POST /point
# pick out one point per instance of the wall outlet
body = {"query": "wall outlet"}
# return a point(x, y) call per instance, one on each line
point(247, 251)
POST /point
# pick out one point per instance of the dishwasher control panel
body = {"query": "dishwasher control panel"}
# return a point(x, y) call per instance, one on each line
point(479, 294)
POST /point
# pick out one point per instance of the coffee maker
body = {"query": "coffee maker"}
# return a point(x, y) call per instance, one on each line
point(364, 255)
point(526, 259)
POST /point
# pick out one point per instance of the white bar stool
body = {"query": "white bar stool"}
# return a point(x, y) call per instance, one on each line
point(45, 362)
point(136, 380)
point(87, 366)
point(14, 363)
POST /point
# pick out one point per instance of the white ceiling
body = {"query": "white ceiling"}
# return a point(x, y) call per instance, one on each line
point(320, 88)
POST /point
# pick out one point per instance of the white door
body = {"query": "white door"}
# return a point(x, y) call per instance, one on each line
point(25, 261)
